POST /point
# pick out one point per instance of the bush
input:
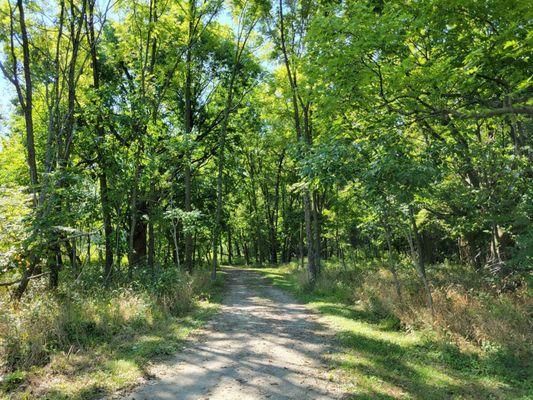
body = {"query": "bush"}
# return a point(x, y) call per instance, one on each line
point(44, 325)
point(174, 292)
point(41, 325)
point(466, 309)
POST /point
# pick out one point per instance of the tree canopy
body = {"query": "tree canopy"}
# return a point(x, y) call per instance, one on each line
point(176, 134)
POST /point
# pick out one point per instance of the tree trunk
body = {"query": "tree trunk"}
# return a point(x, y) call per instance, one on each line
point(316, 231)
point(311, 265)
point(132, 257)
point(188, 118)
point(301, 245)
point(175, 240)
point(246, 252)
point(56, 264)
point(421, 268)
point(392, 266)
point(188, 235)
point(25, 97)
point(151, 247)
point(238, 249)
point(27, 103)
point(100, 148)
point(304, 134)
point(221, 147)
point(273, 245)
point(23, 284)
point(140, 242)
point(230, 249)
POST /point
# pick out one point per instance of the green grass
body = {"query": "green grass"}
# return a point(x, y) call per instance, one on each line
point(106, 367)
point(122, 362)
point(377, 360)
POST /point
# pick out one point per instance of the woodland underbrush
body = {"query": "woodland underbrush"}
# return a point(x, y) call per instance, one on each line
point(468, 309)
point(54, 330)
point(478, 344)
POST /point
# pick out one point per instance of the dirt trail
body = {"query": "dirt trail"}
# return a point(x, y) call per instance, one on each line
point(261, 345)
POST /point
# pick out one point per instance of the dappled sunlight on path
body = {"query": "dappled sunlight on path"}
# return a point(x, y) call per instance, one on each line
point(262, 345)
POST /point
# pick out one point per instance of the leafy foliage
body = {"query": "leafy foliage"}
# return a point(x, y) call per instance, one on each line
point(150, 137)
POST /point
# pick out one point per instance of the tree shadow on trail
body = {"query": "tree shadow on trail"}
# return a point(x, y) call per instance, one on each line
point(383, 366)
point(381, 322)
point(380, 361)
point(406, 371)
point(262, 344)
point(128, 356)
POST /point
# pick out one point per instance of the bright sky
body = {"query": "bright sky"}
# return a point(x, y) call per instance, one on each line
point(7, 93)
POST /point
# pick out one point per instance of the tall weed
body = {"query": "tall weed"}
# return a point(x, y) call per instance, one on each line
point(466, 310)
point(45, 323)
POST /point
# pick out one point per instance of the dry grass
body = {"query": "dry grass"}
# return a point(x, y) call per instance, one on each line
point(479, 346)
point(471, 316)
point(76, 341)
point(32, 331)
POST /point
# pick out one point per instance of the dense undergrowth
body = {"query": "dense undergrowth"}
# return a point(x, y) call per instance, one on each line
point(478, 346)
point(82, 342)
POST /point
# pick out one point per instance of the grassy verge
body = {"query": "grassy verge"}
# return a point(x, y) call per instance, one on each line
point(112, 342)
point(379, 360)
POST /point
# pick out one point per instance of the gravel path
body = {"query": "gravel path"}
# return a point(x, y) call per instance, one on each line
point(261, 345)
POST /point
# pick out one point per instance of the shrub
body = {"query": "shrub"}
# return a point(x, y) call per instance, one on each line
point(466, 309)
point(174, 291)
point(41, 325)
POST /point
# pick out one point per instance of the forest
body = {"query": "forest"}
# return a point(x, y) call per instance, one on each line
point(374, 153)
